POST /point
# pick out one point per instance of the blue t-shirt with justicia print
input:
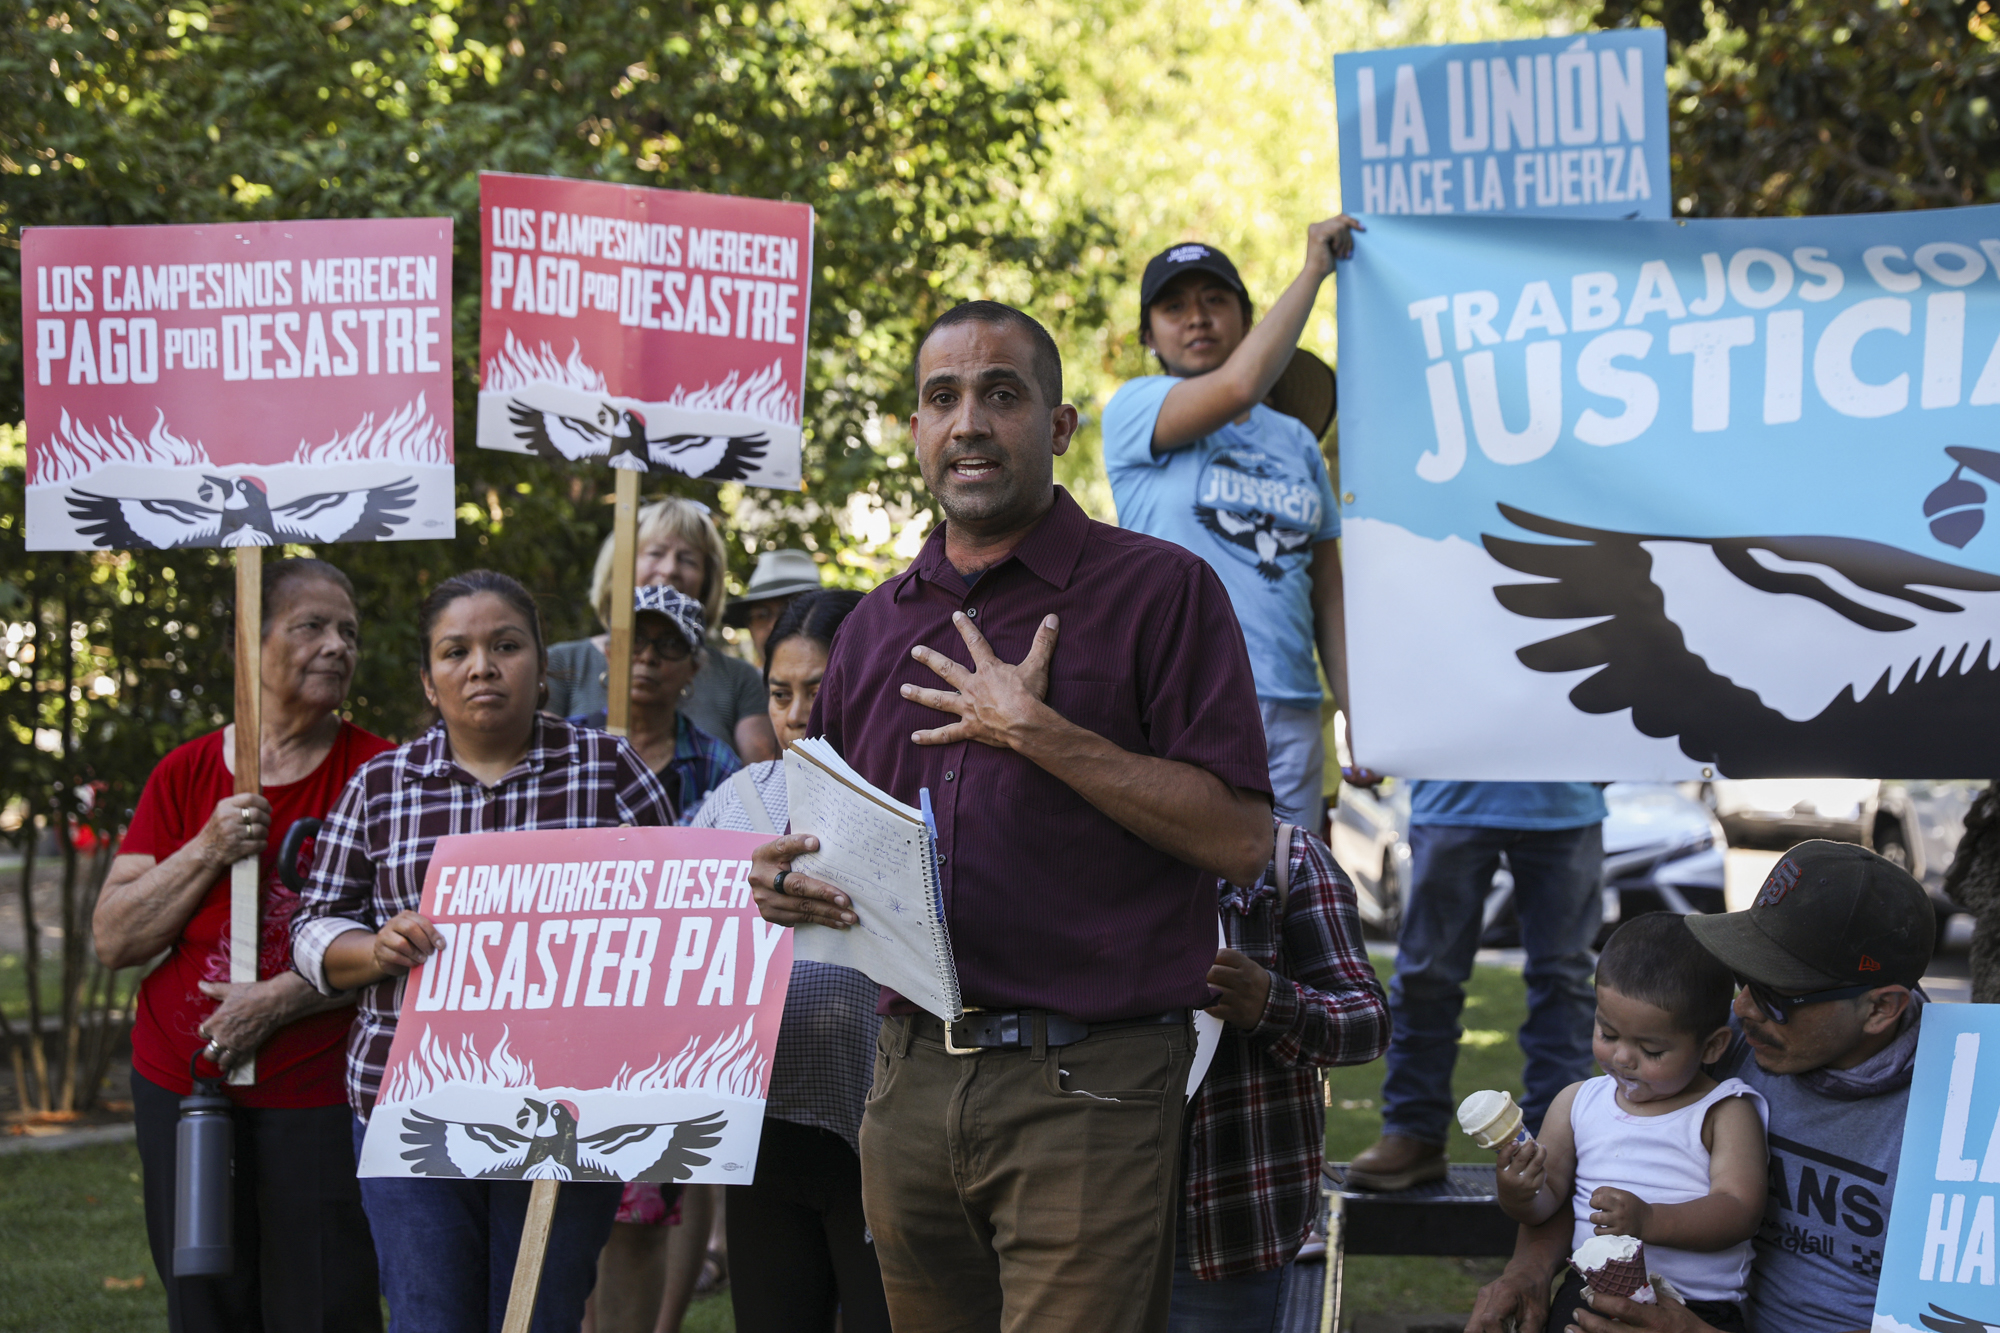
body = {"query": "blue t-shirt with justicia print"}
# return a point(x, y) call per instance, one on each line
point(1252, 499)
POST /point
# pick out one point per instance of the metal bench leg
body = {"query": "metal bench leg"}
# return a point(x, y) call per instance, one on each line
point(1336, 1263)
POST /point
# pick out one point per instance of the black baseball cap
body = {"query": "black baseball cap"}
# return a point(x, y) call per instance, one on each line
point(1830, 914)
point(1175, 260)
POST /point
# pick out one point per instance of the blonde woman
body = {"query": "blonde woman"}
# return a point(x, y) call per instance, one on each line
point(679, 546)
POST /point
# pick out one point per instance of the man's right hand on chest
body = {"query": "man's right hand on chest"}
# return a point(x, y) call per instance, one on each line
point(997, 703)
point(795, 899)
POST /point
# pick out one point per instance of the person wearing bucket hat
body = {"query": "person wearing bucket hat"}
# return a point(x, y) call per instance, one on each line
point(1220, 454)
point(668, 647)
point(1829, 959)
point(779, 577)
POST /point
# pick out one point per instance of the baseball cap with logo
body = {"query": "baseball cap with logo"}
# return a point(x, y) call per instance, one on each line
point(683, 610)
point(1175, 260)
point(1830, 914)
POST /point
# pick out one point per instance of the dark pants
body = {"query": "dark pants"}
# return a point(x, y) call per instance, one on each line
point(304, 1261)
point(1558, 892)
point(1245, 1304)
point(1013, 1190)
point(447, 1249)
point(799, 1248)
point(1722, 1316)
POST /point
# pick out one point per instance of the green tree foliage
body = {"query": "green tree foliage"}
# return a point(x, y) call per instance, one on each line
point(914, 130)
point(917, 131)
point(1828, 106)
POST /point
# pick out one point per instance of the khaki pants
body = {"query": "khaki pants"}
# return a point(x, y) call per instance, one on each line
point(1013, 1191)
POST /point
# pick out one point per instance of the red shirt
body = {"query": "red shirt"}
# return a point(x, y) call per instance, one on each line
point(1051, 905)
point(300, 1065)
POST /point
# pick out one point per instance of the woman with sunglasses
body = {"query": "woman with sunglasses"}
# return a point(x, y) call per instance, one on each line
point(668, 650)
point(679, 546)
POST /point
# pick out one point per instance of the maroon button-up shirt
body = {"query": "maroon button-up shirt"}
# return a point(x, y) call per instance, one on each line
point(1051, 905)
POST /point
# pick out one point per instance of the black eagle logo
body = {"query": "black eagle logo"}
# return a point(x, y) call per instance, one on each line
point(545, 1145)
point(238, 512)
point(1946, 1322)
point(1766, 656)
point(619, 434)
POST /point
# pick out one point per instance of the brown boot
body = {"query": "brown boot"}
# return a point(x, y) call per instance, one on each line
point(1396, 1162)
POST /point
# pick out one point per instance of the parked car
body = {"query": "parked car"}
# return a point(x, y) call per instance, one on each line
point(1916, 824)
point(1663, 849)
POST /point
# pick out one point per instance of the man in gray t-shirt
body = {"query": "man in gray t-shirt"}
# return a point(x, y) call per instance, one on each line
point(1828, 956)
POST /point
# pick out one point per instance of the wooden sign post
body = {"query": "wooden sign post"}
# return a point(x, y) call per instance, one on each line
point(617, 709)
point(639, 388)
point(535, 1230)
point(624, 559)
point(245, 930)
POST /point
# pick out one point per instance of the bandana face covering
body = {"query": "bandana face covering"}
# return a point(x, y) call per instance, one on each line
point(1888, 1070)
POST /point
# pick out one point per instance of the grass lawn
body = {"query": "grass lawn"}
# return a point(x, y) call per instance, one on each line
point(75, 1238)
point(1495, 1007)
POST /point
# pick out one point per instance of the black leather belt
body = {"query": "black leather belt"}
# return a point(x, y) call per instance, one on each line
point(1001, 1029)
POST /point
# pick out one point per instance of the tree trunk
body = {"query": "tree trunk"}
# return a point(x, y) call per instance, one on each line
point(73, 938)
point(31, 963)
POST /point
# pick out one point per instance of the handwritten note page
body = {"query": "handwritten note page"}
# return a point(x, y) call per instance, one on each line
point(881, 858)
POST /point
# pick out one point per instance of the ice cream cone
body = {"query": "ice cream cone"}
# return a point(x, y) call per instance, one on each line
point(1615, 1266)
point(1491, 1118)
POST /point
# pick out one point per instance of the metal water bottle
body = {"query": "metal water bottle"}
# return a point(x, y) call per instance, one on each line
point(204, 1167)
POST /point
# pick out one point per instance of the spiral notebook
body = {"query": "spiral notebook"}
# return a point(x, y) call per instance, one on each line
point(883, 855)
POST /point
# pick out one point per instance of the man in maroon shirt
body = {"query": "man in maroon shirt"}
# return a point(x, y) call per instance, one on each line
point(1077, 700)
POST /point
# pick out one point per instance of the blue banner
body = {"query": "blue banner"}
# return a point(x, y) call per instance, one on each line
point(1553, 127)
point(1942, 1258)
point(1669, 501)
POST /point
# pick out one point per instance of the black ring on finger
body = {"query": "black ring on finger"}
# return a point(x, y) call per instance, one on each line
point(778, 881)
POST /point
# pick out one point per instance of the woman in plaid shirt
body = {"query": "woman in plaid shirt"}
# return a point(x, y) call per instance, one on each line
point(491, 764)
point(1298, 996)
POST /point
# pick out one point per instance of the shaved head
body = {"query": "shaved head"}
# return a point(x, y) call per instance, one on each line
point(1047, 361)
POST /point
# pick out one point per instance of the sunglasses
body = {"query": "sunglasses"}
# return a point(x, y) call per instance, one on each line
point(667, 647)
point(1778, 1008)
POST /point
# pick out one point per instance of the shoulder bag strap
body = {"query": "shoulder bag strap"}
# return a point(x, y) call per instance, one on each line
point(754, 808)
point(1284, 864)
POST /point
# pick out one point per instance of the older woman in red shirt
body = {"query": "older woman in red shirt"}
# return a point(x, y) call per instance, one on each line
point(304, 1259)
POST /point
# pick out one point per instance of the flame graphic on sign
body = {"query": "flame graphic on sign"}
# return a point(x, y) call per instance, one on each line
point(515, 367)
point(763, 396)
point(731, 1066)
point(409, 435)
point(434, 1065)
point(75, 450)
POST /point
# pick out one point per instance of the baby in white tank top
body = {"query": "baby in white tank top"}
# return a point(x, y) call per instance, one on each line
point(1653, 1148)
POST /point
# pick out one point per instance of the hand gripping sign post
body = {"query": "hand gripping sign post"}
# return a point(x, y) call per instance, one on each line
point(238, 386)
point(604, 1008)
point(652, 329)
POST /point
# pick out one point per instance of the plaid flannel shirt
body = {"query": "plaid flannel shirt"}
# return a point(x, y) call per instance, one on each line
point(701, 763)
point(1257, 1126)
point(376, 846)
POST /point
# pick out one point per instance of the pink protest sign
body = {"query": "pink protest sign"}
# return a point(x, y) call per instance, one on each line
point(644, 328)
point(604, 1008)
point(237, 385)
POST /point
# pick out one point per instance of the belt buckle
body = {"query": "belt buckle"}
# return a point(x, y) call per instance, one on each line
point(951, 1047)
